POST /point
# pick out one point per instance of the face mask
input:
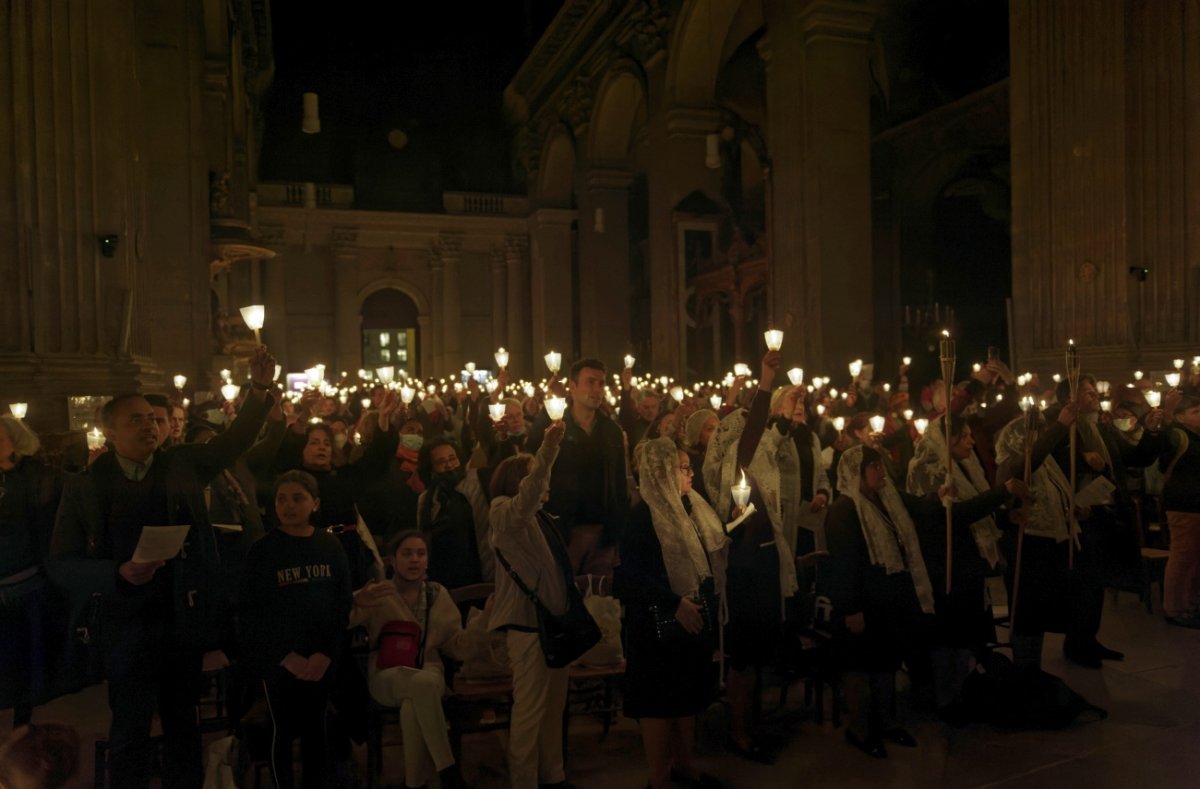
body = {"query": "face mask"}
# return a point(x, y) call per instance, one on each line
point(1124, 425)
point(449, 479)
point(519, 432)
point(412, 441)
point(215, 417)
point(340, 440)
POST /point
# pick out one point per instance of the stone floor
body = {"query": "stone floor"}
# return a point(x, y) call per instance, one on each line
point(1151, 736)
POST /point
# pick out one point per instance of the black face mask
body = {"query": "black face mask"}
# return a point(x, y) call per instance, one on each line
point(784, 426)
point(448, 479)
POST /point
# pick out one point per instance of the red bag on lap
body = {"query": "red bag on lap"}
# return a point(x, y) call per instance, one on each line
point(399, 645)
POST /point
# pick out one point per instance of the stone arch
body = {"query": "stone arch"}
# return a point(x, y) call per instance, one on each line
point(619, 102)
point(421, 354)
point(698, 42)
point(556, 174)
point(393, 283)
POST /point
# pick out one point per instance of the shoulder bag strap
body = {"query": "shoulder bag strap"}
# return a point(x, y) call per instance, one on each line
point(508, 568)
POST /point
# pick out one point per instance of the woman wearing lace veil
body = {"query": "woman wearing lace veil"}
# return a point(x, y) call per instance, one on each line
point(880, 588)
point(762, 563)
point(671, 580)
point(964, 622)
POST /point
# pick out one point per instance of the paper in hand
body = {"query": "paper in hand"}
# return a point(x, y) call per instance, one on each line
point(160, 543)
point(746, 513)
point(1098, 491)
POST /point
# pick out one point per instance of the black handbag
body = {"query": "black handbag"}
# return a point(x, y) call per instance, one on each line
point(564, 637)
point(667, 628)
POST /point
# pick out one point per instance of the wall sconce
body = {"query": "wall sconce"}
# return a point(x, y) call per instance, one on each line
point(311, 122)
point(712, 151)
point(108, 244)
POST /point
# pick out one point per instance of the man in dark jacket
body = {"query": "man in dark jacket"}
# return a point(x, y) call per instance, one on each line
point(156, 619)
point(588, 494)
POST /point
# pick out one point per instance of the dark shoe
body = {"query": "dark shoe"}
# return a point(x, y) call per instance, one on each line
point(1081, 656)
point(872, 746)
point(451, 778)
point(755, 753)
point(701, 781)
point(1104, 653)
point(900, 737)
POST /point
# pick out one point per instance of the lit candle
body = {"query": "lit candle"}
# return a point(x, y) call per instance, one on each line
point(907, 361)
point(386, 374)
point(1178, 364)
point(1103, 387)
point(976, 367)
point(555, 408)
point(833, 392)
point(887, 388)
point(921, 423)
point(856, 368)
point(908, 414)
point(1056, 378)
point(839, 423)
point(1154, 398)
point(19, 409)
point(629, 360)
point(407, 393)
point(95, 439)
point(677, 393)
point(947, 345)
point(1137, 375)
point(741, 492)
point(366, 403)
point(314, 375)
point(226, 375)
point(877, 423)
point(1172, 380)
point(496, 411)
point(1026, 403)
point(501, 358)
point(278, 371)
point(553, 361)
point(774, 339)
point(491, 385)
point(254, 316)
point(180, 381)
point(1106, 405)
point(664, 381)
point(715, 401)
point(230, 391)
point(818, 382)
point(741, 370)
point(470, 368)
point(458, 386)
point(529, 390)
point(820, 409)
point(796, 376)
point(343, 398)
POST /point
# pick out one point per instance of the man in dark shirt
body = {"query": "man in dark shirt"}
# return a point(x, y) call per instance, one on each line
point(157, 618)
point(588, 494)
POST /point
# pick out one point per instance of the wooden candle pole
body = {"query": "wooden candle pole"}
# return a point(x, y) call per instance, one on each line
point(1031, 420)
point(1073, 380)
point(947, 357)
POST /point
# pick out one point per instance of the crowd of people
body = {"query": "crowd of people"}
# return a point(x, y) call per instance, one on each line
point(726, 516)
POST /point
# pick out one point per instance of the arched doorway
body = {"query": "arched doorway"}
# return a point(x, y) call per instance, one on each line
point(389, 332)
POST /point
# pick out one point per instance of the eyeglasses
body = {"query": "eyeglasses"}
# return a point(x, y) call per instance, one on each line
point(687, 469)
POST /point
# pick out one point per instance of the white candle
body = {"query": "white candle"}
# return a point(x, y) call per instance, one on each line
point(774, 339)
point(407, 393)
point(1137, 375)
point(386, 374)
point(741, 370)
point(491, 385)
point(920, 424)
point(529, 390)
point(95, 439)
point(1154, 398)
point(555, 408)
point(469, 367)
point(366, 403)
point(1172, 380)
point(19, 409)
point(820, 409)
point(254, 316)
point(741, 492)
point(839, 423)
point(856, 368)
point(908, 414)
point(180, 381)
point(877, 423)
point(1178, 364)
point(230, 391)
point(629, 360)
point(553, 361)
point(907, 360)
point(715, 401)
point(677, 393)
point(496, 411)
point(796, 376)
point(501, 358)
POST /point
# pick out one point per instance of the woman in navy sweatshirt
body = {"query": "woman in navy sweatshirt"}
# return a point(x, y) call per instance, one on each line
point(296, 602)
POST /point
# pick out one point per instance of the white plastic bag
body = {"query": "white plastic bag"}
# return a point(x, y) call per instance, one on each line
point(606, 610)
point(219, 772)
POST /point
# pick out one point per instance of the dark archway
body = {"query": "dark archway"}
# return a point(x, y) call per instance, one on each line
point(389, 332)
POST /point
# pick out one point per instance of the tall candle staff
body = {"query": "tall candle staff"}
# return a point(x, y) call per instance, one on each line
point(1030, 410)
point(948, 359)
point(1073, 381)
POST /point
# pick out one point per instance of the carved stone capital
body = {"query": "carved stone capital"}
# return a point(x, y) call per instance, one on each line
point(648, 29)
point(575, 106)
point(343, 237)
point(447, 246)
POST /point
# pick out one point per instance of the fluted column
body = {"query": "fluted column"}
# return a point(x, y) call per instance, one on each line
point(819, 136)
point(449, 249)
point(550, 277)
point(604, 264)
point(347, 319)
point(433, 359)
point(499, 295)
point(516, 249)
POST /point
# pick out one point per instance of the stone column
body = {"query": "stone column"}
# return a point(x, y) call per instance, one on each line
point(516, 250)
point(1105, 178)
point(550, 284)
point(499, 296)
point(432, 353)
point(449, 250)
point(347, 317)
point(604, 264)
point(819, 136)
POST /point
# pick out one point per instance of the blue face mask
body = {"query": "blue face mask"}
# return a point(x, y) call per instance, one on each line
point(520, 432)
point(411, 441)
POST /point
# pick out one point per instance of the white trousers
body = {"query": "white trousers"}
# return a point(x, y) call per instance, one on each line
point(535, 746)
point(418, 694)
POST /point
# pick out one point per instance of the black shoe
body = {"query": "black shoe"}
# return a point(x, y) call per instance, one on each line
point(1080, 656)
point(451, 778)
point(1104, 653)
point(755, 753)
point(900, 737)
point(701, 781)
point(872, 746)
